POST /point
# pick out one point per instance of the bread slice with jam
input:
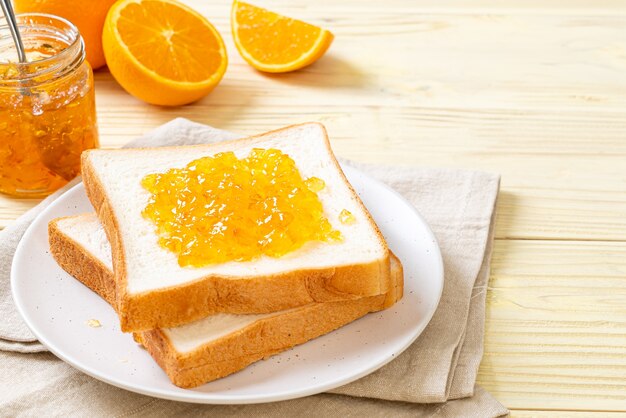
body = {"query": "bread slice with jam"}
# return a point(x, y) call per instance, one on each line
point(219, 344)
point(154, 291)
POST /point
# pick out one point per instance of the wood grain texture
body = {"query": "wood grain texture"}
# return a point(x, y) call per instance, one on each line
point(556, 325)
point(534, 90)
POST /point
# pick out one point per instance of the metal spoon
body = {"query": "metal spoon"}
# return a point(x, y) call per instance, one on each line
point(7, 9)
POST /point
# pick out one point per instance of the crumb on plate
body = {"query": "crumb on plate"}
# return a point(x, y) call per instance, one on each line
point(94, 323)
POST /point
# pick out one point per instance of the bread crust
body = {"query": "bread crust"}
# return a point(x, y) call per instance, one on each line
point(176, 305)
point(80, 263)
point(257, 341)
point(237, 350)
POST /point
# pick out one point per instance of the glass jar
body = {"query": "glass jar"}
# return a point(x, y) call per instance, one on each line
point(47, 106)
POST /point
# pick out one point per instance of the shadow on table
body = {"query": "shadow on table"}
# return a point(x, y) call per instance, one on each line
point(506, 213)
point(329, 72)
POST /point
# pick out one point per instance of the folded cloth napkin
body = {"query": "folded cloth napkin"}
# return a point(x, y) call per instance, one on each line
point(434, 377)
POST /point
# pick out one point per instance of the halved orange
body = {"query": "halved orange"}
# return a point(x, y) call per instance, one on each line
point(274, 43)
point(162, 51)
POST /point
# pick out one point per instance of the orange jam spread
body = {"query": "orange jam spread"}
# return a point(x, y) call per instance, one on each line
point(346, 217)
point(222, 208)
point(315, 184)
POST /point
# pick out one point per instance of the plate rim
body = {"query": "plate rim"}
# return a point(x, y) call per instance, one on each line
point(208, 398)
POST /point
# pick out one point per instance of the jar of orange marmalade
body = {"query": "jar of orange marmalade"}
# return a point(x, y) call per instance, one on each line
point(47, 106)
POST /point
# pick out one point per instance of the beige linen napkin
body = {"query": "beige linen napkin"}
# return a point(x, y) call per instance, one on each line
point(435, 377)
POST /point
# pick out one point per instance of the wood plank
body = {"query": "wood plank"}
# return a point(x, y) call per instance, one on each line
point(11, 209)
point(556, 326)
point(453, 6)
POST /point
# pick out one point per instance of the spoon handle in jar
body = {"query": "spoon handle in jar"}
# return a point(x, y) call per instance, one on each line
point(9, 14)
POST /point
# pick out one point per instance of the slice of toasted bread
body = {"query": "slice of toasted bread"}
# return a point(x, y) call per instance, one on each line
point(154, 291)
point(220, 344)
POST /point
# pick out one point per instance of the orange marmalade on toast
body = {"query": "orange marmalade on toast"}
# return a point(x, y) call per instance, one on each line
point(223, 208)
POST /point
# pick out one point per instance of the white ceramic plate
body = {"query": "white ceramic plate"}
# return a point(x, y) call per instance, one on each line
point(56, 307)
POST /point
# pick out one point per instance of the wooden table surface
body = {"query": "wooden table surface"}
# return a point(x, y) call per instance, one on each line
point(534, 90)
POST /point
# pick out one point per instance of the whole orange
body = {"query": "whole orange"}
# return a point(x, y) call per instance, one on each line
point(87, 15)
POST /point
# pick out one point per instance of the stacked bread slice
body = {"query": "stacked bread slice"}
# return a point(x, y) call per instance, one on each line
point(203, 323)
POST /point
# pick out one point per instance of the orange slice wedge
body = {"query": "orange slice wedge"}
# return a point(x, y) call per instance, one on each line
point(162, 51)
point(274, 43)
